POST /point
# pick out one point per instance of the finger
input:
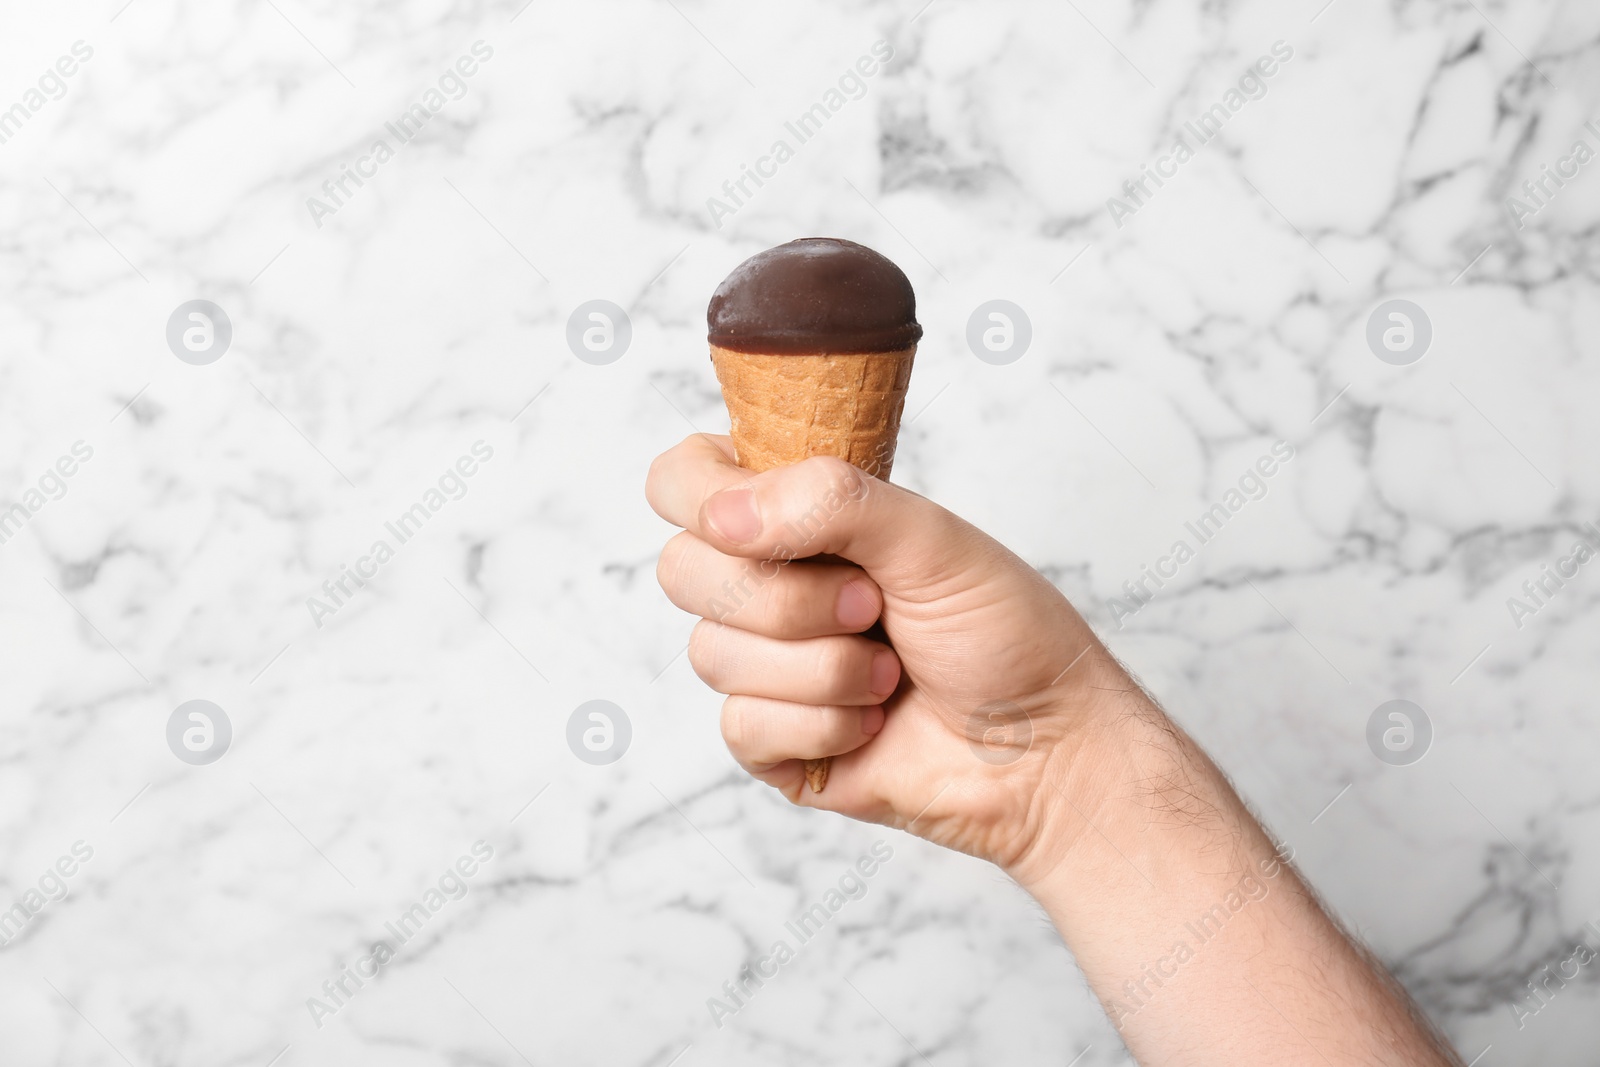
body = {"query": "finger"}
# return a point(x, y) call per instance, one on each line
point(820, 505)
point(869, 781)
point(762, 733)
point(818, 670)
point(765, 596)
point(684, 475)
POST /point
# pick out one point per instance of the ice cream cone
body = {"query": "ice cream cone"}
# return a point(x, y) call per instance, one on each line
point(813, 343)
point(786, 408)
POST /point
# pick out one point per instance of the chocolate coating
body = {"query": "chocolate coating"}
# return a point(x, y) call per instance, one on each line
point(815, 295)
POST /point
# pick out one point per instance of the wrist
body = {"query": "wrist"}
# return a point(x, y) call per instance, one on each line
point(1124, 801)
point(1086, 776)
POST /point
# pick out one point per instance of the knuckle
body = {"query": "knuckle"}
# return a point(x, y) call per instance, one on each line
point(836, 666)
point(785, 606)
point(835, 475)
point(844, 727)
point(826, 491)
point(828, 726)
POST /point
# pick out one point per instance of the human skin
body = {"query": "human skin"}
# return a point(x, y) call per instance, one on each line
point(998, 724)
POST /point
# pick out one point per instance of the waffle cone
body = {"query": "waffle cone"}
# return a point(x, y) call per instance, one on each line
point(786, 408)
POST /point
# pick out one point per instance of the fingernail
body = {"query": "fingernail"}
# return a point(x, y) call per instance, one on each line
point(732, 515)
point(872, 720)
point(855, 609)
point(885, 673)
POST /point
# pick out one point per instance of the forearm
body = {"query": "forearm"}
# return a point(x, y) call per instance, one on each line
point(1201, 941)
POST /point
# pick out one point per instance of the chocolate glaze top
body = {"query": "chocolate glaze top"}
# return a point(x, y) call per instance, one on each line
point(814, 295)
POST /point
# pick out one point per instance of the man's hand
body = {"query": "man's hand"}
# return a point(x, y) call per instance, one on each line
point(961, 732)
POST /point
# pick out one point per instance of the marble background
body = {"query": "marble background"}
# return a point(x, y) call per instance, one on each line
point(374, 345)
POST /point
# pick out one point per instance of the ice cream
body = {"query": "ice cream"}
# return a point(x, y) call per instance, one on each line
point(813, 343)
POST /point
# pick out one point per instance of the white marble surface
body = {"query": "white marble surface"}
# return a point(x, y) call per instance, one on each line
point(429, 313)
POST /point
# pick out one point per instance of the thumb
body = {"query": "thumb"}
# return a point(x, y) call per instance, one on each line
point(824, 505)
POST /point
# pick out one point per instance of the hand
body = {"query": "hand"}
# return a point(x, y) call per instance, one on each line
point(966, 731)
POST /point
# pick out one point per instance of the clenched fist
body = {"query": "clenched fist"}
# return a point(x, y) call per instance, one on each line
point(949, 680)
